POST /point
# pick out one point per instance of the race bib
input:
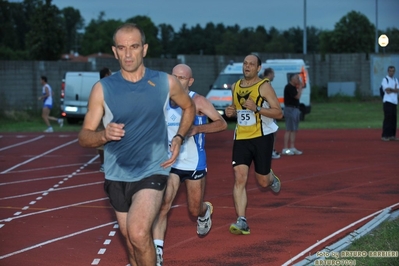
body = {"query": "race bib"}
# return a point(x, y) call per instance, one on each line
point(246, 117)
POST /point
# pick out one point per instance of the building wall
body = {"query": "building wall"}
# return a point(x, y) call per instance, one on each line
point(20, 80)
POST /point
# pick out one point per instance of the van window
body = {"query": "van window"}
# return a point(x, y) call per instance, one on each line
point(224, 81)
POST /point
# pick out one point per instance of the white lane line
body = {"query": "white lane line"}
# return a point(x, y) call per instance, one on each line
point(334, 234)
point(54, 240)
point(39, 156)
point(52, 190)
point(95, 262)
point(53, 209)
point(21, 143)
point(45, 178)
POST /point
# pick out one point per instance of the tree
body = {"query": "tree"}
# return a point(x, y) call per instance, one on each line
point(166, 36)
point(73, 22)
point(45, 39)
point(354, 33)
point(98, 35)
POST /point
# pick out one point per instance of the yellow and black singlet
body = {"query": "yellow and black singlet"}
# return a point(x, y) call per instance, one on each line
point(250, 124)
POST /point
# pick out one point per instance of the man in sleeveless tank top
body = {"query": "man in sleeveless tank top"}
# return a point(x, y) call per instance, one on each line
point(190, 167)
point(131, 104)
point(255, 105)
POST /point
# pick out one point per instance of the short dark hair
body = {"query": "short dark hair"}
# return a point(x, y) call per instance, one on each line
point(44, 78)
point(104, 72)
point(268, 71)
point(131, 26)
point(259, 60)
point(391, 67)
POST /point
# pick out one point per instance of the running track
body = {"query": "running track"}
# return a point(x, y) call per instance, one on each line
point(53, 210)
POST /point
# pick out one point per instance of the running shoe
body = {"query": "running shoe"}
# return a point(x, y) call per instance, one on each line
point(287, 152)
point(102, 168)
point(49, 130)
point(60, 122)
point(204, 224)
point(295, 151)
point(275, 155)
point(240, 227)
point(276, 185)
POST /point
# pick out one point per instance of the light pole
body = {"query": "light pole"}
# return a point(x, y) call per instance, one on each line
point(376, 26)
point(304, 28)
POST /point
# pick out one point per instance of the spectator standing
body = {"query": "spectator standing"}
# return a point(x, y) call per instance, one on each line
point(390, 102)
point(292, 94)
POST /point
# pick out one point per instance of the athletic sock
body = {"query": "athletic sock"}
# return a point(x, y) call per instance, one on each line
point(158, 243)
point(202, 218)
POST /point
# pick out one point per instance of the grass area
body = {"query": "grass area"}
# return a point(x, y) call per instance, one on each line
point(383, 238)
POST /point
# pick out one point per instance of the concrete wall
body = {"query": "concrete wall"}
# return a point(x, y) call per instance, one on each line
point(20, 80)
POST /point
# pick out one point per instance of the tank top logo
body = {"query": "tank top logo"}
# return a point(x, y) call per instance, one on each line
point(242, 96)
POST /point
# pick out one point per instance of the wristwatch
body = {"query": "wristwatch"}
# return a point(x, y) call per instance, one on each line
point(258, 109)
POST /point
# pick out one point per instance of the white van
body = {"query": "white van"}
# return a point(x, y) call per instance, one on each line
point(220, 93)
point(75, 92)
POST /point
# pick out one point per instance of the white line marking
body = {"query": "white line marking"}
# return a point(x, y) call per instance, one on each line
point(107, 242)
point(37, 157)
point(54, 209)
point(95, 262)
point(17, 213)
point(54, 240)
point(21, 143)
point(334, 234)
point(112, 233)
point(52, 190)
point(102, 251)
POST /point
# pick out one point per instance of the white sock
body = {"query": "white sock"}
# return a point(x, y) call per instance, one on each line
point(158, 243)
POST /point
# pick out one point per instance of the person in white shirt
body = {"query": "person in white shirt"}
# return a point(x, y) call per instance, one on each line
point(47, 98)
point(390, 101)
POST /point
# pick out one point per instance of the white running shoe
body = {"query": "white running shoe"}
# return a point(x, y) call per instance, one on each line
point(287, 152)
point(204, 225)
point(60, 122)
point(296, 152)
point(275, 155)
point(49, 130)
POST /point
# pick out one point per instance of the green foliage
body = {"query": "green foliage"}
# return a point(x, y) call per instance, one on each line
point(354, 33)
point(73, 23)
point(98, 36)
point(45, 38)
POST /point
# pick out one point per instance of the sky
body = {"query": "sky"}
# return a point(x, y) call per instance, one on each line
point(282, 14)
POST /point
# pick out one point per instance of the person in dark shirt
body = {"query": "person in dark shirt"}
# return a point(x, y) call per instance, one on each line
point(292, 94)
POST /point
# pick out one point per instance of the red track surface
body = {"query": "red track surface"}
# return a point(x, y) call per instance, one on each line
point(53, 210)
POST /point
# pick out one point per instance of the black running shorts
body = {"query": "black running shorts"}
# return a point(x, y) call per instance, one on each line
point(259, 150)
point(190, 175)
point(120, 193)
